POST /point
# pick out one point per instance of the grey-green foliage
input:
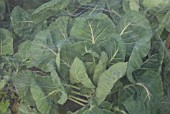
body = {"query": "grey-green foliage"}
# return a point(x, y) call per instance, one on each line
point(21, 23)
point(131, 5)
point(152, 3)
point(136, 33)
point(107, 80)
point(2, 9)
point(6, 42)
point(58, 84)
point(165, 21)
point(101, 67)
point(78, 74)
point(23, 53)
point(42, 49)
point(96, 42)
point(25, 108)
point(155, 59)
point(91, 30)
point(39, 96)
point(92, 110)
point(148, 94)
point(22, 83)
point(48, 9)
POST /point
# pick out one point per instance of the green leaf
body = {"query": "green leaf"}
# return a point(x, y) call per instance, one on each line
point(92, 30)
point(4, 106)
point(25, 109)
point(114, 9)
point(6, 42)
point(155, 59)
point(49, 9)
point(101, 67)
point(166, 22)
point(136, 106)
point(140, 50)
point(59, 86)
point(115, 49)
point(22, 82)
point(145, 96)
point(2, 9)
point(23, 53)
point(133, 27)
point(58, 29)
point(90, 66)
point(39, 96)
point(21, 23)
point(42, 50)
point(134, 5)
point(84, 2)
point(96, 110)
point(107, 80)
point(136, 32)
point(153, 82)
point(2, 83)
point(54, 110)
point(131, 5)
point(78, 74)
point(154, 3)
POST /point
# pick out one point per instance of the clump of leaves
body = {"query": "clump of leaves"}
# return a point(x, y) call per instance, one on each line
point(102, 56)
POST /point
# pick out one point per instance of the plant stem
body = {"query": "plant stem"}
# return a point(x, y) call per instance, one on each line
point(72, 86)
point(77, 93)
point(77, 102)
point(78, 99)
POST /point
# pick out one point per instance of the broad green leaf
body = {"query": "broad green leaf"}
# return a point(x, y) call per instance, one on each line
point(154, 3)
point(134, 5)
point(115, 49)
point(23, 53)
point(136, 106)
point(42, 50)
point(78, 74)
point(59, 34)
point(4, 106)
point(133, 27)
point(92, 30)
point(101, 67)
point(59, 86)
point(21, 23)
point(58, 29)
point(90, 66)
point(54, 110)
point(114, 8)
point(54, 91)
point(145, 96)
point(155, 59)
point(25, 109)
point(96, 110)
point(2, 9)
point(136, 32)
point(165, 22)
point(131, 5)
point(84, 2)
point(140, 50)
point(2, 83)
point(153, 82)
point(49, 9)
point(6, 42)
point(22, 82)
point(106, 105)
point(42, 103)
point(107, 80)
